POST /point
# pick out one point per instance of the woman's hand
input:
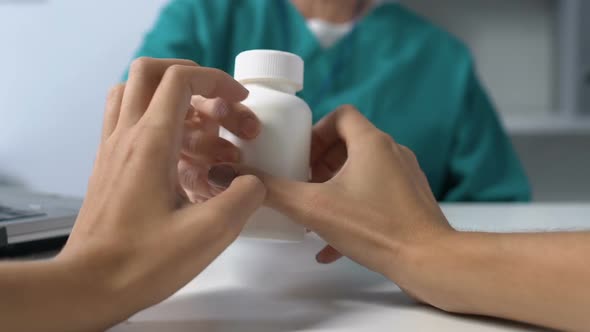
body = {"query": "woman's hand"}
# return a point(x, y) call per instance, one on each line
point(375, 207)
point(202, 147)
point(374, 201)
point(137, 238)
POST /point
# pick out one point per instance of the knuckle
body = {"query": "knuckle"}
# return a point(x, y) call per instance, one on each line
point(141, 66)
point(175, 72)
point(190, 63)
point(408, 152)
point(384, 138)
point(379, 139)
point(115, 92)
point(215, 73)
point(348, 108)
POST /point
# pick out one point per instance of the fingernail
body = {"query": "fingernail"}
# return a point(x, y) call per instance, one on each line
point(245, 91)
point(250, 127)
point(221, 176)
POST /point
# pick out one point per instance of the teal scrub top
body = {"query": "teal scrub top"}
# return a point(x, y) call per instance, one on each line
point(410, 78)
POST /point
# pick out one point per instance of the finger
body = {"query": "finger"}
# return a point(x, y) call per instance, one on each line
point(242, 122)
point(192, 176)
point(199, 124)
point(171, 100)
point(329, 164)
point(235, 117)
point(244, 195)
point(112, 110)
point(227, 213)
point(200, 120)
point(320, 173)
point(197, 144)
point(145, 75)
point(206, 229)
point(345, 123)
point(328, 255)
point(182, 197)
point(294, 199)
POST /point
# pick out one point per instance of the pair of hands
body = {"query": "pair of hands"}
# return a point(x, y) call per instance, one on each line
point(340, 188)
point(166, 196)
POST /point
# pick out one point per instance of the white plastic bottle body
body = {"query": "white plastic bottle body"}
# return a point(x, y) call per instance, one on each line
point(282, 149)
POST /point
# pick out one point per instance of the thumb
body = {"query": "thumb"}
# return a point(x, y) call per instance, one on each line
point(243, 196)
point(223, 216)
point(293, 199)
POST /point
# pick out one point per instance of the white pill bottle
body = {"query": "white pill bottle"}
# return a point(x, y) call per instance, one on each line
point(283, 146)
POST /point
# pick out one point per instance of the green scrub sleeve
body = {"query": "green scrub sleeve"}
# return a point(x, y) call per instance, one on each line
point(173, 35)
point(484, 166)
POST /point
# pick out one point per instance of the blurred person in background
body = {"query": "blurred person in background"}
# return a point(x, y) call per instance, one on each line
point(411, 79)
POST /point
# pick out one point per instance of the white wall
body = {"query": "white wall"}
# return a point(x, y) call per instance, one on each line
point(57, 61)
point(514, 41)
point(558, 165)
point(516, 48)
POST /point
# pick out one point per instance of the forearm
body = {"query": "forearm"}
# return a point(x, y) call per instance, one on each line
point(536, 278)
point(51, 296)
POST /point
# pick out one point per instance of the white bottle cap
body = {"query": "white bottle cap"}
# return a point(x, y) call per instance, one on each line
point(270, 66)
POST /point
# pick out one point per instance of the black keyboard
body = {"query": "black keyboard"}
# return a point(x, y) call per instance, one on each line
point(10, 214)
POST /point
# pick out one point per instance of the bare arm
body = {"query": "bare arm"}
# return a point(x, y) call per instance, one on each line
point(543, 279)
point(137, 239)
point(373, 204)
point(53, 296)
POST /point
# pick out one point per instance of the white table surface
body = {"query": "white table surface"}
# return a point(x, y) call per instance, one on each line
point(262, 286)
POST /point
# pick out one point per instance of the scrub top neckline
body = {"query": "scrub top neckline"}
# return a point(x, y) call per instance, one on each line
point(329, 63)
point(317, 47)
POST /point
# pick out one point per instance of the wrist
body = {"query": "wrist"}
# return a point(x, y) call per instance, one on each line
point(426, 268)
point(95, 276)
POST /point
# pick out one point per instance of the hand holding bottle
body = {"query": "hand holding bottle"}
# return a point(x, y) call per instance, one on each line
point(136, 240)
point(364, 209)
point(202, 146)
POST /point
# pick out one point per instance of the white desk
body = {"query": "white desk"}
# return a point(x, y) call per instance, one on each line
point(262, 287)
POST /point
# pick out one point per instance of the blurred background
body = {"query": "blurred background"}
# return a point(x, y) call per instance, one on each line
point(58, 59)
